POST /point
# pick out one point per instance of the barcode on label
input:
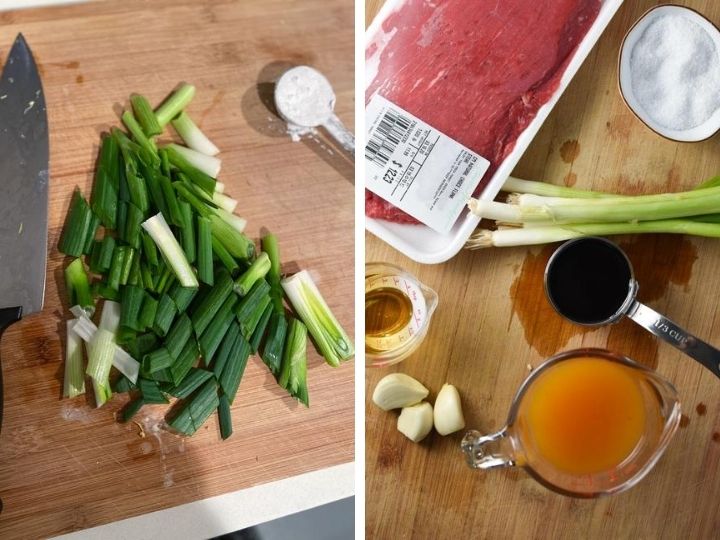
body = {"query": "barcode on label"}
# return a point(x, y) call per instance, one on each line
point(390, 131)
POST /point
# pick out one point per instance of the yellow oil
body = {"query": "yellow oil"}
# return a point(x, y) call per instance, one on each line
point(388, 311)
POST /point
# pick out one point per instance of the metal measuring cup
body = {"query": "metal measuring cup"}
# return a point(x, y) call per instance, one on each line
point(648, 318)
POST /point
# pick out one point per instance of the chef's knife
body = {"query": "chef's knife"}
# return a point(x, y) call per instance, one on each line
point(24, 156)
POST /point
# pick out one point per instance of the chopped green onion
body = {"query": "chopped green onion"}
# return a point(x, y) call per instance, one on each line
point(133, 220)
point(273, 352)
point(145, 115)
point(236, 222)
point(122, 218)
point(76, 228)
point(293, 374)
point(259, 331)
point(197, 410)
point(138, 134)
point(116, 267)
point(128, 260)
point(103, 392)
point(226, 348)
point(195, 175)
point(101, 351)
point(78, 286)
point(161, 234)
point(331, 340)
point(132, 301)
point(178, 335)
point(143, 345)
point(182, 296)
point(125, 335)
point(224, 417)
point(131, 409)
point(126, 364)
point(192, 136)
point(101, 263)
point(204, 163)
point(270, 246)
point(213, 335)
point(110, 316)
point(249, 302)
point(155, 190)
point(174, 104)
point(234, 368)
point(138, 192)
point(91, 232)
point(157, 360)
point(189, 196)
point(224, 256)
point(206, 310)
point(192, 381)
point(105, 192)
point(223, 201)
point(187, 231)
point(237, 244)
point(123, 385)
point(248, 325)
point(184, 362)
point(171, 200)
point(164, 283)
point(204, 251)
point(74, 380)
point(151, 391)
point(147, 314)
point(165, 315)
point(258, 269)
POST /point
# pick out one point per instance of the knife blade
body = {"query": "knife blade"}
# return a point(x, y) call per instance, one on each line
point(24, 176)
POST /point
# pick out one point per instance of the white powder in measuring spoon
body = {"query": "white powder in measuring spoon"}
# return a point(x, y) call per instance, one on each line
point(675, 72)
point(304, 98)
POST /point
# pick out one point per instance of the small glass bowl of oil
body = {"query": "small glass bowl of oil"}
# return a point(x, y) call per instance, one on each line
point(398, 309)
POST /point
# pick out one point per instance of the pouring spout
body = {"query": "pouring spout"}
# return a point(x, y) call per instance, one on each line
point(487, 451)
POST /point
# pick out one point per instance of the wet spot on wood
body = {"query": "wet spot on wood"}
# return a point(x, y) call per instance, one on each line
point(716, 437)
point(629, 339)
point(570, 150)
point(684, 420)
point(79, 79)
point(570, 179)
point(701, 409)
point(545, 331)
point(73, 64)
point(389, 456)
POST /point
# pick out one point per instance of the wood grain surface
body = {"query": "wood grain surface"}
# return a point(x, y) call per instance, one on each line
point(493, 322)
point(65, 466)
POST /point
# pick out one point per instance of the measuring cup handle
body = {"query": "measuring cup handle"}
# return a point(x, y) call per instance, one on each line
point(340, 133)
point(671, 333)
point(478, 450)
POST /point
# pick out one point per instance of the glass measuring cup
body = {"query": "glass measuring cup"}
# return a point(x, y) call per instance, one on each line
point(518, 445)
point(391, 341)
point(590, 282)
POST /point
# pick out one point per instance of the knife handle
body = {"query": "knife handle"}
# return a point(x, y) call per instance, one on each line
point(7, 317)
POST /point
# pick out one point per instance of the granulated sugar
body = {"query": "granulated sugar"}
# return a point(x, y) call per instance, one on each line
point(675, 72)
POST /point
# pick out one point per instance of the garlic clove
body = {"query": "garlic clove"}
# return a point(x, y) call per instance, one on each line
point(398, 390)
point(448, 415)
point(416, 422)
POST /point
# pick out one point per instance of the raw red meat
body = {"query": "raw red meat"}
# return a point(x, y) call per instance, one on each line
point(477, 70)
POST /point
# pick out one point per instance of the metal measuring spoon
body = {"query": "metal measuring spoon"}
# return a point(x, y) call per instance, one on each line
point(305, 98)
point(590, 281)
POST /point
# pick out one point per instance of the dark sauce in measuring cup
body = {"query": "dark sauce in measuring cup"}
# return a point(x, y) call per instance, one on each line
point(588, 280)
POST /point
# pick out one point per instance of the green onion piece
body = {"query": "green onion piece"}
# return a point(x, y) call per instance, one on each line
point(110, 317)
point(233, 372)
point(204, 251)
point(171, 200)
point(105, 191)
point(143, 345)
point(250, 301)
point(224, 417)
point(138, 134)
point(188, 196)
point(224, 256)
point(161, 234)
point(149, 249)
point(213, 335)
point(131, 409)
point(187, 230)
point(132, 301)
point(258, 269)
point(123, 385)
point(116, 267)
point(209, 165)
point(332, 341)
point(101, 351)
point(139, 195)
point(125, 335)
point(248, 325)
point(174, 104)
point(134, 218)
point(184, 362)
point(273, 352)
point(178, 335)
point(91, 232)
point(122, 218)
point(103, 392)
point(152, 180)
point(157, 360)
point(103, 290)
point(165, 315)
point(192, 136)
point(78, 286)
point(237, 244)
point(165, 167)
point(148, 311)
point(223, 201)
point(145, 115)
point(147, 277)
point(195, 175)
point(192, 381)
point(135, 278)
point(164, 283)
point(105, 254)
point(74, 380)
point(182, 296)
point(226, 349)
point(270, 246)
point(197, 410)
point(128, 260)
point(293, 374)
point(77, 224)
point(260, 329)
point(150, 391)
point(206, 310)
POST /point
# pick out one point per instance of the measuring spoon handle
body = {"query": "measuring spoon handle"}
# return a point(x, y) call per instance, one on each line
point(671, 333)
point(340, 133)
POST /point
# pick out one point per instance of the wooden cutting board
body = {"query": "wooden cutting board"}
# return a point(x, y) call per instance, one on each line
point(65, 466)
point(493, 322)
